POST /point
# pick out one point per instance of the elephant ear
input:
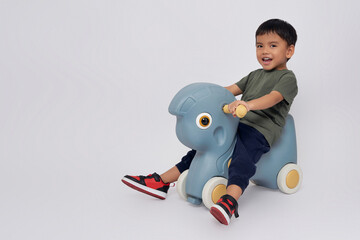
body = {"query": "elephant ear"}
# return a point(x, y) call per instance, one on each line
point(179, 107)
point(219, 135)
point(187, 104)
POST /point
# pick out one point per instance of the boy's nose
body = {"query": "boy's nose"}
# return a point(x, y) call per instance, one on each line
point(265, 50)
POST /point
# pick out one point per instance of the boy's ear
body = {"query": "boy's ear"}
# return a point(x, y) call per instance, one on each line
point(290, 51)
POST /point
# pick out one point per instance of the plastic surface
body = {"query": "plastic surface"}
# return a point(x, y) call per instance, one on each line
point(241, 111)
point(212, 137)
point(282, 152)
point(181, 185)
point(213, 190)
point(287, 185)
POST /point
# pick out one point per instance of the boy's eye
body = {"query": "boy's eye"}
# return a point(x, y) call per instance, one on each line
point(259, 46)
point(273, 46)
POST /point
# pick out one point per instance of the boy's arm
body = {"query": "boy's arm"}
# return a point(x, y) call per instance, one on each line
point(264, 102)
point(234, 89)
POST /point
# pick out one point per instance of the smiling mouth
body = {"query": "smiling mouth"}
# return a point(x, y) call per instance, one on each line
point(267, 60)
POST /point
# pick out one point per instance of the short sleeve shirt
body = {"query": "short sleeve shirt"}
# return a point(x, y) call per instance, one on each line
point(259, 83)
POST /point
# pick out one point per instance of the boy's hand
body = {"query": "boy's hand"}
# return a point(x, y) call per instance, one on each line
point(235, 104)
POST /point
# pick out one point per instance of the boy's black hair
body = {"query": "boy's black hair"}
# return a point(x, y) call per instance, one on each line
point(281, 28)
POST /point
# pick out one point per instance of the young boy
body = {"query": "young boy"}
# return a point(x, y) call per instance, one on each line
point(267, 94)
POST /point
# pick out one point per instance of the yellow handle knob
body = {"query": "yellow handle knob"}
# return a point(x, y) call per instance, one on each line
point(226, 109)
point(241, 111)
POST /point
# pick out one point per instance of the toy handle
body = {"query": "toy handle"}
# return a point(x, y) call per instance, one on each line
point(240, 112)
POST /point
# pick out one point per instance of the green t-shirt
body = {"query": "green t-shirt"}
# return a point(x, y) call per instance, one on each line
point(259, 83)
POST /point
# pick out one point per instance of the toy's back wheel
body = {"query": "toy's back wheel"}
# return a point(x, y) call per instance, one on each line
point(213, 190)
point(289, 178)
point(181, 185)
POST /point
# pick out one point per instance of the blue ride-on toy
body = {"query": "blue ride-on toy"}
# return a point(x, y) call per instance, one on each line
point(203, 124)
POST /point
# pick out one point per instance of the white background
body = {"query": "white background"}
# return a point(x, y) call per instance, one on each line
point(84, 91)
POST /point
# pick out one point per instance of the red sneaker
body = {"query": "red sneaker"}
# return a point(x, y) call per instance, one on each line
point(224, 209)
point(151, 185)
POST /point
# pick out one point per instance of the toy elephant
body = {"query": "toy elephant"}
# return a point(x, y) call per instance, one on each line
point(201, 124)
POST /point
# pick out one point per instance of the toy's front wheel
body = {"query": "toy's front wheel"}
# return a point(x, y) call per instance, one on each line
point(289, 178)
point(213, 190)
point(181, 185)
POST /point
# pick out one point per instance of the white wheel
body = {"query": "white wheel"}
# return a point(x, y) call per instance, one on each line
point(289, 178)
point(181, 185)
point(213, 190)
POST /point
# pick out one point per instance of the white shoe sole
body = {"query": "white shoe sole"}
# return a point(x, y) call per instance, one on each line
point(144, 189)
point(220, 214)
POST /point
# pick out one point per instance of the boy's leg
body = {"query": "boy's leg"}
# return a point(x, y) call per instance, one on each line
point(249, 148)
point(185, 162)
point(240, 171)
point(158, 185)
point(234, 191)
point(170, 175)
point(173, 173)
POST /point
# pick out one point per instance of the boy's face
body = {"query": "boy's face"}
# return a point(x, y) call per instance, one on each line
point(272, 51)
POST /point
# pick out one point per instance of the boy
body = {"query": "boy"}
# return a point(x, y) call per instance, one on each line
point(267, 94)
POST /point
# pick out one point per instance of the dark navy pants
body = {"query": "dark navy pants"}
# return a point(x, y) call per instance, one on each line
point(250, 146)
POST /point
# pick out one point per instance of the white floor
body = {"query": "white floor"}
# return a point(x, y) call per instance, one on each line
point(84, 91)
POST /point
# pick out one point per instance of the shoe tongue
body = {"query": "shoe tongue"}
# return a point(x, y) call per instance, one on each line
point(156, 177)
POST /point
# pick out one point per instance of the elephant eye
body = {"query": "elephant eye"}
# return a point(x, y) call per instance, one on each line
point(203, 120)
